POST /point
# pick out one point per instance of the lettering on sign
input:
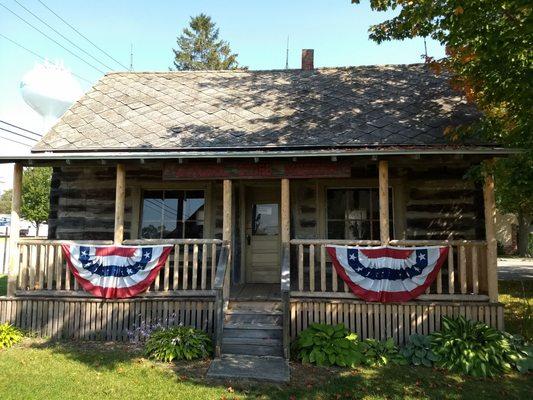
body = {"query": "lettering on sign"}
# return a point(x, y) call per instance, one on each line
point(262, 170)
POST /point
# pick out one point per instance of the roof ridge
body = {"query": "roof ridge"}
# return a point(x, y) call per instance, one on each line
point(241, 70)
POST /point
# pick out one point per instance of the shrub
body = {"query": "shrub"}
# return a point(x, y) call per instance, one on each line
point(376, 353)
point(178, 343)
point(418, 351)
point(9, 335)
point(524, 352)
point(472, 348)
point(328, 345)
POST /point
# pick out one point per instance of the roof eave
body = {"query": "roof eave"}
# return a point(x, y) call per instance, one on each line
point(151, 155)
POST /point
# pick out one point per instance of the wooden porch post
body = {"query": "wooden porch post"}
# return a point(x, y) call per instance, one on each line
point(285, 211)
point(227, 203)
point(120, 197)
point(384, 202)
point(490, 233)
point(14, 230)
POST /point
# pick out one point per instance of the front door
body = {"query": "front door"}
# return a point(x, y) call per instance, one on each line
point(262, 235)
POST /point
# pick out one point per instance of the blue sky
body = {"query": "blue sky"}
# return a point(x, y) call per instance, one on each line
point(256, 30)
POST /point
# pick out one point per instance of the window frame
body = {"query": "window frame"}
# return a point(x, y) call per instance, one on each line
point(392, 223)
point(206, 194)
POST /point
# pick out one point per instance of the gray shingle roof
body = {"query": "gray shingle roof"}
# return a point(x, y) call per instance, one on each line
point(400, 105)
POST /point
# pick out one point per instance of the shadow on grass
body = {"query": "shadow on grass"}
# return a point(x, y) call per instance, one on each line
point(98, 355)
point(3, 285)
point(308, 382)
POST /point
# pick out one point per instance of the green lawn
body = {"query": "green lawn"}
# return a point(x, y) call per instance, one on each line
point(518, 299)
point(37, 370)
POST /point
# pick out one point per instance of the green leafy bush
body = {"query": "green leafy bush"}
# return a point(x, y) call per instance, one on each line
point(376, 353)
point(9, 335)
point(328, 345)
point(523, 351)
point(472, 348)
point(418, 351)
point(178, 343)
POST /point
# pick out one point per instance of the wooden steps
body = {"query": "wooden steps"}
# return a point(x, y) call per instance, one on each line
point(252, 335)
point(253, 328)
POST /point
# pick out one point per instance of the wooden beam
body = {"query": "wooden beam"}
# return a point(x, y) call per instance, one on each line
point(490, 233)
point(384, 202)
point(285, 211)
point(120, 198)
point(16, 203)
point(227, 210)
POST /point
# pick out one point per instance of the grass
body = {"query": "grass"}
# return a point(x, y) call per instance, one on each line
point(518, 299)
point(38, 370)
point(3, 285)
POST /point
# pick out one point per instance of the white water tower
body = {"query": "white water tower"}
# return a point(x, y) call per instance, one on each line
point(50, 90)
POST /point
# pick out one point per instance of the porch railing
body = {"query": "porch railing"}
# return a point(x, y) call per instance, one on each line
point(222, 289)
point(189, 270)
point(462, 277)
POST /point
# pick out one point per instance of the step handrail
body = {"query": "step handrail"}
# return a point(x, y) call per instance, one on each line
point(222, 288)
point(285, 296)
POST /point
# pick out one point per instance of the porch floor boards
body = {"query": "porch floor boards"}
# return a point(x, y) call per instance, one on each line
point(256, 291)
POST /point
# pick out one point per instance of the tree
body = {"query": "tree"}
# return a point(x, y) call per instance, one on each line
point(36, 195)
point(489, 54)
point(199, 47)
point(5, 201)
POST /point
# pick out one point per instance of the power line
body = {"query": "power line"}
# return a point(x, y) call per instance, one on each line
point(82, 35)
point(19, 134)
point(40, 56)
point(15, 141)
point(19, 127)
point(63, 36)
point(52, 39)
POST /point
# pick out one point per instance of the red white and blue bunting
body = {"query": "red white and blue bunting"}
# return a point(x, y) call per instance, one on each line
point(115, 272)
point(388, 274)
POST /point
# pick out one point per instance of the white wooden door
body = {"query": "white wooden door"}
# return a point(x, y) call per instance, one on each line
point(262, 239)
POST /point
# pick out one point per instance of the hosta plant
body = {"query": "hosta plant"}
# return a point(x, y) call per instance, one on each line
point(472, 348)
point(9, 335)
point(418, 351)
point(376, 353)
point(178, 343)
point(328, 345)
point(523, 351)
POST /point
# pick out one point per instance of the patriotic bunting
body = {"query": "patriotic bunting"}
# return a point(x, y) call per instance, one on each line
point(115, 272)
point(387, 274)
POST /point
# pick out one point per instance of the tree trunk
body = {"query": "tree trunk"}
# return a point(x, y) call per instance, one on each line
point(37, 226)
point(523, 234)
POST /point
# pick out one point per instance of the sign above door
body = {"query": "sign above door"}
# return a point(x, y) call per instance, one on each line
point(260, 170)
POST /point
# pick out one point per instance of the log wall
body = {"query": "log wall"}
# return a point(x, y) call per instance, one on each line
point(382, 321)
point(436, 203)
point(95, 319)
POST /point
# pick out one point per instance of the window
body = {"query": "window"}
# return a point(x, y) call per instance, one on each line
point(177, 214)
point(353, 213)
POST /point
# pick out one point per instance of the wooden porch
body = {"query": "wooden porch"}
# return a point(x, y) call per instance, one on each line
point(195, 286)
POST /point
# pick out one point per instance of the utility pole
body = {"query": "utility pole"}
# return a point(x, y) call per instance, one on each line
point(287, 55)
point(131, 57)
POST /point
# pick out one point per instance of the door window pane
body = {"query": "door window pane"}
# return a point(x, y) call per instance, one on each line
point(265, 220)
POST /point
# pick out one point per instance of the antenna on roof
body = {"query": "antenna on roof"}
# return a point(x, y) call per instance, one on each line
point(287, 55)
point(425, 50)
point(131, 57)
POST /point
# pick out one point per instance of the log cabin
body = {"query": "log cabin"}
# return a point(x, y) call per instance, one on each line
point(249, 175)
